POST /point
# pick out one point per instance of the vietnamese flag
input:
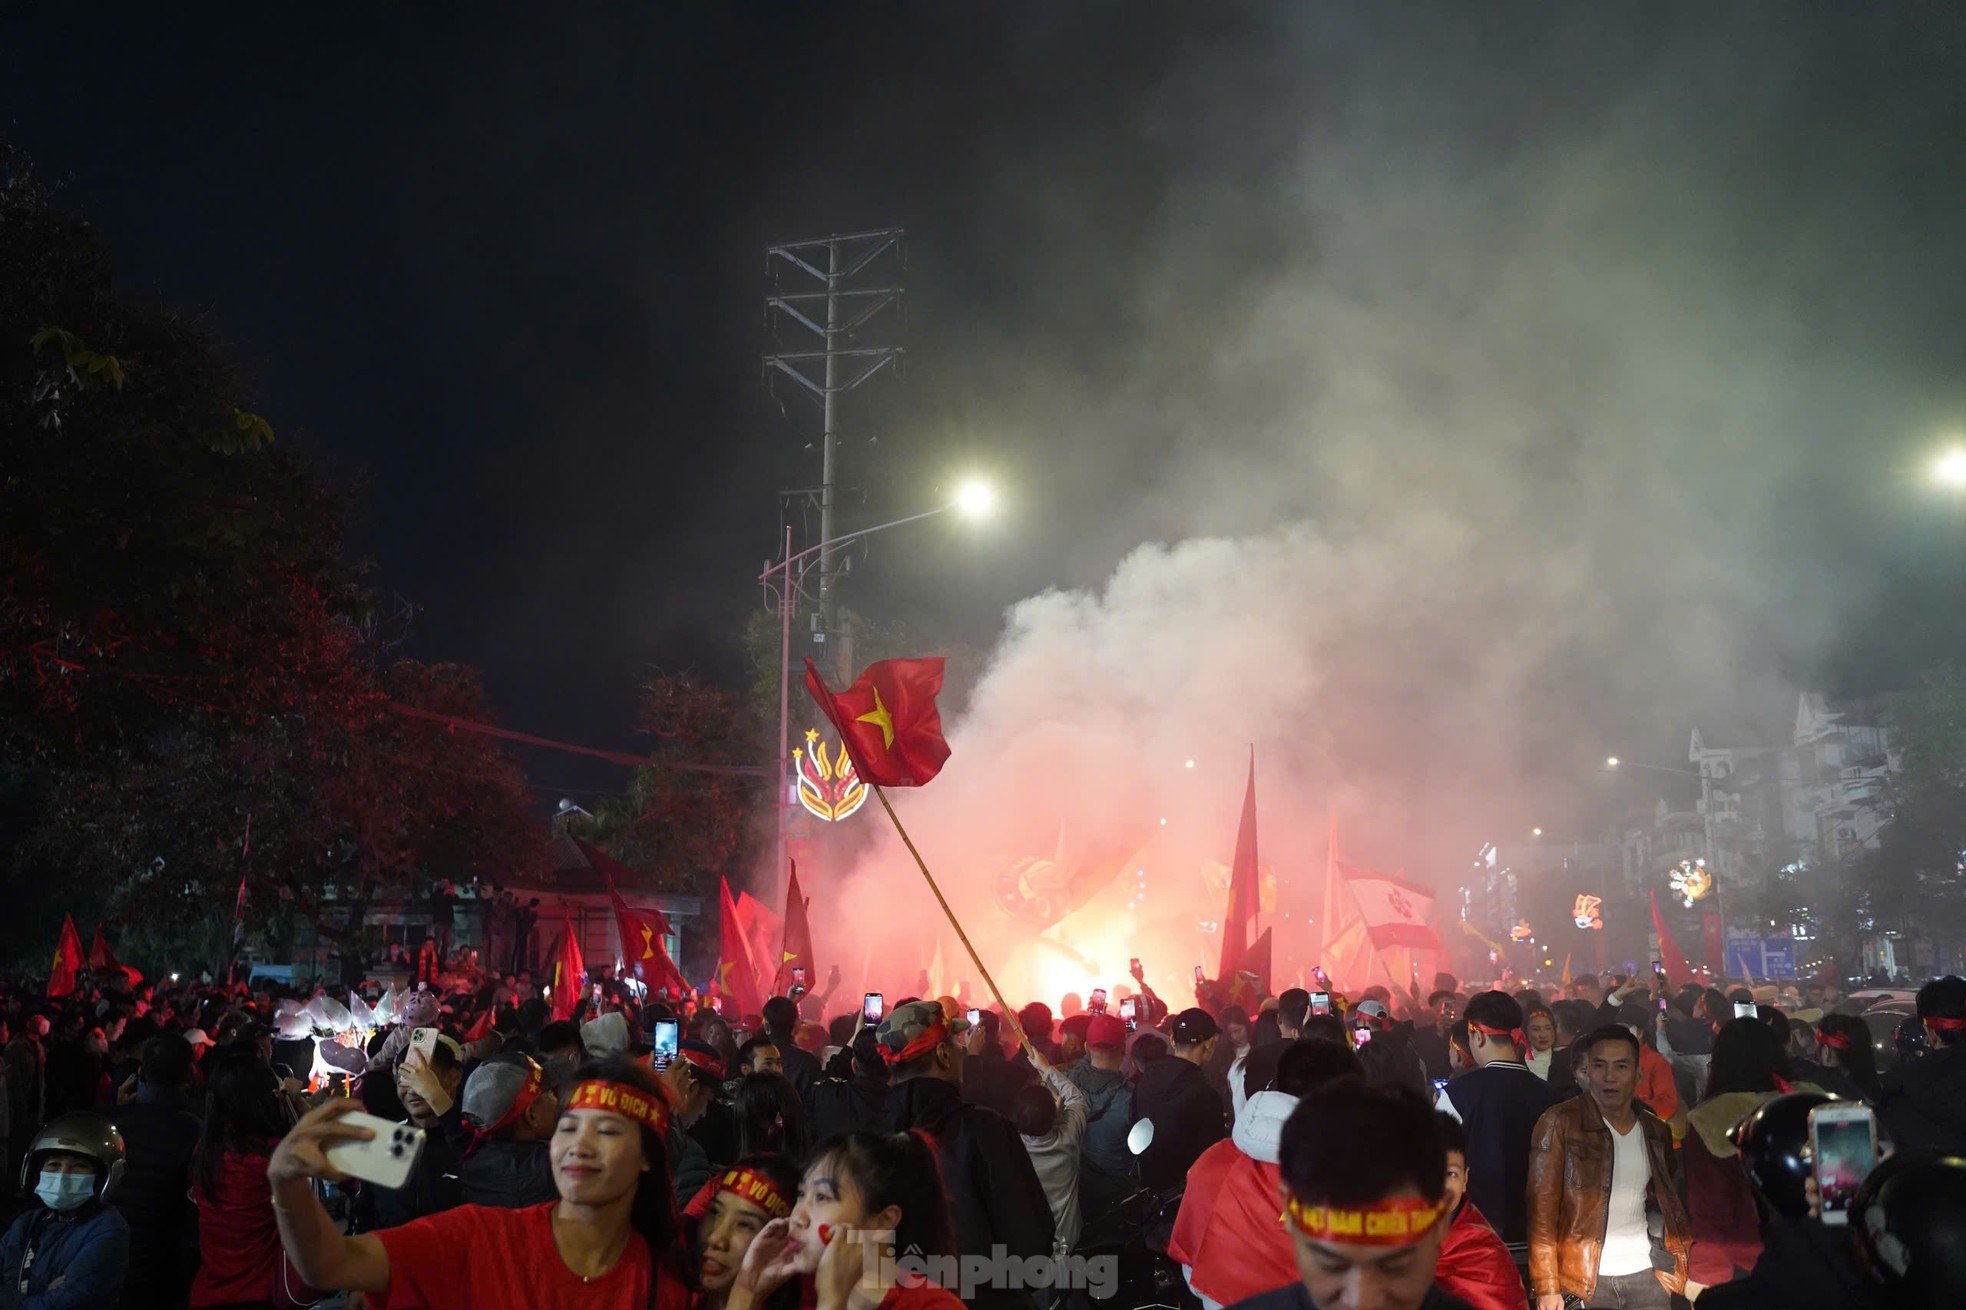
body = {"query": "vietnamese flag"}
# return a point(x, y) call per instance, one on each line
point(642, 934)
point(737, 972)
point(797, 951)
point(888, 721)
point(68, 959)
point(101, 958)
point(569, 970)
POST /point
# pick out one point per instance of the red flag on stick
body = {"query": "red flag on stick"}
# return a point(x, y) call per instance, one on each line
point(888, 720)
point(1245, 892)
point(797, 951)
point(569, 970)
point(101, 958)
point(1674, 959)
point(642, 949)
point(68, 959)
point(737, 971)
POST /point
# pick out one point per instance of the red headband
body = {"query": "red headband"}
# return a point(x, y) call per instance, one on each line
point(1945, 1024)
point(632, 1103)
point(1399, 1222)
point(1516, 1035)
point(1835, 1041)
point(710, 1064)
point(929, 1039)
point(750, 1185)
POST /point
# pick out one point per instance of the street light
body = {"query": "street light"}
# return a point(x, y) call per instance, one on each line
point(1949, 469)
point(974, 499)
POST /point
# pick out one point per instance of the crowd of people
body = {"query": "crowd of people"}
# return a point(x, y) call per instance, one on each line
point(1604, 1143)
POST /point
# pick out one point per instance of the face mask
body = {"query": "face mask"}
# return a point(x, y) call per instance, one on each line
point(65, 1191)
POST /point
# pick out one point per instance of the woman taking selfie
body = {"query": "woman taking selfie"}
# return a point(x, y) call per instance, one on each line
point(742, 1200)
point(865, 1197)
point(611, 1240)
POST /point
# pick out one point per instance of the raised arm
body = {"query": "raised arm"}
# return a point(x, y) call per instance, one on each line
point(324, 1256)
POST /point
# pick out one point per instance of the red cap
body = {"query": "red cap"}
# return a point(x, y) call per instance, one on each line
point(1105, 1030)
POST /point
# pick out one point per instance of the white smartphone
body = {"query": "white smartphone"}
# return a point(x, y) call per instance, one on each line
point(1843, 1142)
point(425, 1040)
point(386, 1159)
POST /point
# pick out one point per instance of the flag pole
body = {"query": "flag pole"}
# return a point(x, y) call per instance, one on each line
point(1010, 1015)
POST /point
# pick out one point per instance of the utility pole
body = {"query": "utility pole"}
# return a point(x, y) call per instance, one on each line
point(834, 307)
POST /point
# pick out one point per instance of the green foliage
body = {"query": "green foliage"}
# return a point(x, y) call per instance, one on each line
point(683, 828)
point(1913, 882)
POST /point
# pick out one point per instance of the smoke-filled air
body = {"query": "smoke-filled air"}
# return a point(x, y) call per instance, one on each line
point(1432, 475)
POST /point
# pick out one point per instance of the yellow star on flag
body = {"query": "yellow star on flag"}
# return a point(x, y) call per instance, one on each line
point(879, 717)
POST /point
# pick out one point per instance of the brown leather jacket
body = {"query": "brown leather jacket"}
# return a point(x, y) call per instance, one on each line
point(1570, 1197)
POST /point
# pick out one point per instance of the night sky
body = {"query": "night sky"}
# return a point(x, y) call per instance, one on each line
point(1673, 296)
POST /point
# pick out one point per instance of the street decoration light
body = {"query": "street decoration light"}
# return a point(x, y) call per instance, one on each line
point(1690, 881)
point(829, 789)
point(1587, 913)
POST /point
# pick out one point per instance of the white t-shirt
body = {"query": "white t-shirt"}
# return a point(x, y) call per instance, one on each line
point(1627, 1247)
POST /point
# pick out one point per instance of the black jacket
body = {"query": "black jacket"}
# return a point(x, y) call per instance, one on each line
point(995, 1198)
point(509, 1175)
point(1923, 1102)
point(1187, 1115)
point(1803, 1266)
point(991, 1080)
point(159, 1137)
point(1499, 1104)
point(845, 1105)
point(432, 1185)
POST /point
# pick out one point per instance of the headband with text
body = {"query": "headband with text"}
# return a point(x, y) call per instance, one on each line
point(1399, 1222)
point(650, 1111)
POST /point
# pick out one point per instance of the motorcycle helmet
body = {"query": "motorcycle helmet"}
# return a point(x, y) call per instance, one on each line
point(1908, 1222)
point(1773, 1139)
point(83, 1134)
point(1911, 1039)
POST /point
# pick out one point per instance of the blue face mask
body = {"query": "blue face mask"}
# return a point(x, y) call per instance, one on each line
point(65, 1191)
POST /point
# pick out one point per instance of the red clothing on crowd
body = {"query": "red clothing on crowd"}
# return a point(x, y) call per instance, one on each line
point(1199, 1198)
point(926, 1296)
point(239, 1255)
point(1655, 1083)
point(1475, 1265)
point(487, 1258)
point(1243, 1247)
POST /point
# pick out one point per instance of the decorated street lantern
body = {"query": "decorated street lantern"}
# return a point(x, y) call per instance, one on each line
point(1690, 881)
point(829, 789)
point(1588, 912)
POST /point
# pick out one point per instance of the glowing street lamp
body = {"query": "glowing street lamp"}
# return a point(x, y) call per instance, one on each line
point(1949, 469)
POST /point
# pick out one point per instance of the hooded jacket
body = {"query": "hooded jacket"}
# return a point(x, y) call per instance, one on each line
point(1227, 1232)
point(1187, 1117)
point(844, 1105)
point(1726, 1224)
point(995, 1198)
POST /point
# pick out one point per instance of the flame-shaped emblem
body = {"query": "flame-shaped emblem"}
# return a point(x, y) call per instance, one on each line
point(829, 789)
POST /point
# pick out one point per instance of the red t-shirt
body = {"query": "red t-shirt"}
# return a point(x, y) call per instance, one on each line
point(483, 1257)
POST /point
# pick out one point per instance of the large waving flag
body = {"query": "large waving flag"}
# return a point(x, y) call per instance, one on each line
point(1670, 956)
point(888, 720)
